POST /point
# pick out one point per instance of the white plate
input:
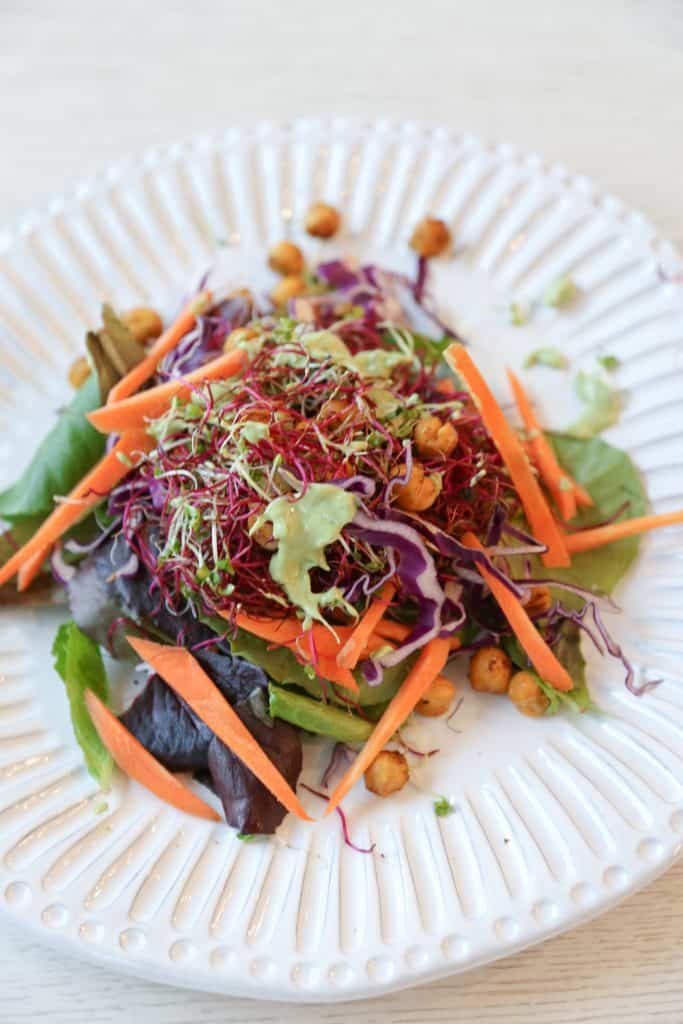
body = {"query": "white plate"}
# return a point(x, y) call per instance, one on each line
point(555, 820)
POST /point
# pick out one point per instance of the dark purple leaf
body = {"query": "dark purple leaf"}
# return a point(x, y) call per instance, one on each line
point(99, 598)
point(247, 804)
point(167, 728)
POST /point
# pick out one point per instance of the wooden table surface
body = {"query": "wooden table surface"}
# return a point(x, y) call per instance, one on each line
point(596, 86)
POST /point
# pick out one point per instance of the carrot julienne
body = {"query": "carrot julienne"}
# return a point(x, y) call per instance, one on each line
point(391, 630)
point(536, 508)
point(566, 491)
point(289, 632)
point(538, 651)
point(108, 472)
point(183, 673)
point(428, 666)
point(327, 668)
point(587, 540)
point(164, 344)
point(351, 651)
point(31, 567)
point(132, 412)
point(583, 498)
point(136, 761)
point(559, 483)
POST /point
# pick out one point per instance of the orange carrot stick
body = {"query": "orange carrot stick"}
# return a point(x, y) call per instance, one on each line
point(392, 630)
point(167, 341)
point(556, 480)
point(289, 632)
point(108, 472)
point(282, 632)
point(131, 413)
point(583, 498)
point(563, 487)
point(351, 651)
point(376, 643)
point(540, 655)
point(30, 569)
point(586, 540)
point(187, 678)
point(327, 668)
point(538, 513)
point(428, 666)
point(137, 762)
point(564, 495)
point(387, 630)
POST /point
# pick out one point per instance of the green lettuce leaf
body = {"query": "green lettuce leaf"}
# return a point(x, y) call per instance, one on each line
point(78, 661)
point(603, 405)
point(13, 539)
point(611, 479)
point(568, 652)
point(71, 448)
point(552, 357)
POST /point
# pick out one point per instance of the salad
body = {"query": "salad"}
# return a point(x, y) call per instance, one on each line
point(291, 513)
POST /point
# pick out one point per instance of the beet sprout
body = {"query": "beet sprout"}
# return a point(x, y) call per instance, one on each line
point(294, 419)
point(414, 750)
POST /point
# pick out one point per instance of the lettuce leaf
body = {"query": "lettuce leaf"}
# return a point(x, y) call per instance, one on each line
point(568, 652)
point(78, 661)
point(611, 479)
point(552, 357)
point(603, 405)
point(65, 455)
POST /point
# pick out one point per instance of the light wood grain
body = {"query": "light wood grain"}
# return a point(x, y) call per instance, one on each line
point(595, 86)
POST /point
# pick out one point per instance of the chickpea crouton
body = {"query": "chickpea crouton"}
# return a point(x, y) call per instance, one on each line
point(387, 774)
point(490, 670)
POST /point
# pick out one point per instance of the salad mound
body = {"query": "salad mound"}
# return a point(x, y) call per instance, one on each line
point(304, 509)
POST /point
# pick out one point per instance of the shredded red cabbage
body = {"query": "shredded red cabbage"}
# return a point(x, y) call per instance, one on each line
point(341, 756)
point(418, 575)
point(342, 818)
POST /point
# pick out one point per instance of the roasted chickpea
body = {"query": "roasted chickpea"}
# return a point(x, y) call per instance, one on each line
point(387, 774)
point(434, 439)
point(431, 237)
point(143, 323)
point(437, 699)
point(490, 670)
point(79, 371)
point(240, 334)
point(263, 535)
point(288, 288)
point(420, 492)
point(322, 220)
point(527, 696)
point(538, 602)
point(286, 258)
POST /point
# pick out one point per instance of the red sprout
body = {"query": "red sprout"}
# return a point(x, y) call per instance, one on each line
point(414, 750)
point(342, 818)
